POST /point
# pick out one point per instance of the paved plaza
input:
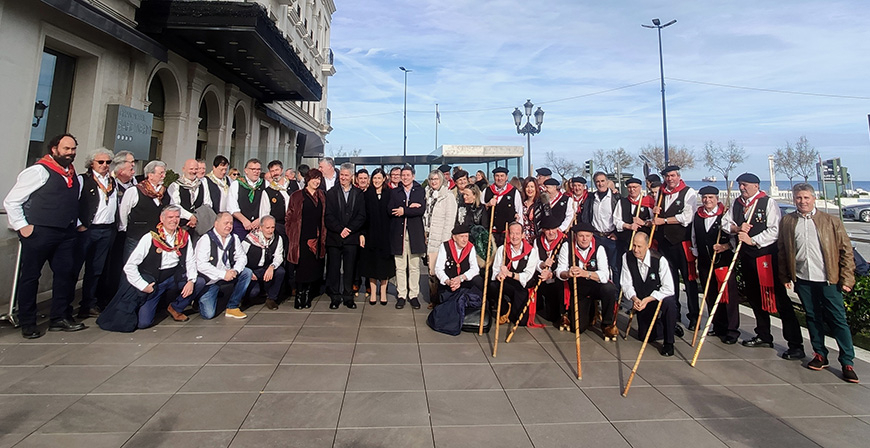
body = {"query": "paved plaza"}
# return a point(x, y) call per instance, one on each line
point(379, 377)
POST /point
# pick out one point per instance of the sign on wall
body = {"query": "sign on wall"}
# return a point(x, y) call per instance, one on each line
point(128, 129)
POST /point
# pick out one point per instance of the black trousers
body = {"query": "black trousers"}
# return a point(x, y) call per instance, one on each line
point(680, 267)
point(57, 247)
point(726, 321)
point(110, 281)
point(338, 258)
point(664, 326)
point(513, 294)
point(589, 292)
point(552, 297)
point(92, 251)
point(791, 329)
point(272, 287)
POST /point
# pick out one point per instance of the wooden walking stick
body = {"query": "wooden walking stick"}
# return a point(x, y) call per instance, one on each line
point(576, 309)
point(642, 348)
point(709, 276)
point(485, 270)
point(630, 245)
point(526, 308)
point(507, 260)
point(722, 288)
point(651, 233)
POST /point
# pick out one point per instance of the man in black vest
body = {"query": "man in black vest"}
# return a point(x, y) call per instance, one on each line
point(345, 216)
point(274, 202)
point(190, 193)
point(507, 201)
point(646, 278)
point(265, 251)
point(579, 194)
point(598, 211)
point(628, 219)
point(758, 265)
point(98, 207)
point(219, 184)
point(407, 237)
point(515, 273)
point(244, 199)
point(43, 208)
point(708, 239)
point(456, 264)
point(674, 238)
point(558, 204)
point(140, 209)
point(589, 266)
point(220, 259)
point(543, 174)
point(550, 294)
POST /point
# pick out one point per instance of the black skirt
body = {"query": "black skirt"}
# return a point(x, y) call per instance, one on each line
point(376, 264)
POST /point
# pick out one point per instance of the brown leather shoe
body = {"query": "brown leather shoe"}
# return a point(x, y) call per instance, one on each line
point(610, 332)
point(176, 316)
point(271, 304)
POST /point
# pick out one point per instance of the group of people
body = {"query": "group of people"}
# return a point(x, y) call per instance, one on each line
point(535, 245)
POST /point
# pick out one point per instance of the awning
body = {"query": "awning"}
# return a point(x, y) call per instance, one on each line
point(312, 143)
point(235, 41)
point(98, 19)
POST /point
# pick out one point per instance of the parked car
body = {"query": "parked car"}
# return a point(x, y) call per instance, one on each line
point(857, 212)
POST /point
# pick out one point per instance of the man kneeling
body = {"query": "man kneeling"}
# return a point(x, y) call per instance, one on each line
point(220, 259)
point(265, 252)
point(459, 283)
point(512, 275)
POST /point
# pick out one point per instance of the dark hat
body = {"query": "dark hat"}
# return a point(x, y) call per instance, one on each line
point(633, 180)
point(461, 228)
point(551, 181)
point(583, 227)
point(579, 179)
point(654, 178)
point(550, 221)
point(748, 177)
point(670, 168)
point(544, 172)
point(444, 168)
point(709, 189)
point(500, 169)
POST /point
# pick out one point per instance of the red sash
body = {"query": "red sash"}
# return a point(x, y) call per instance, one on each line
point(459, 257)
point(690, 260)
point(720, 278)
point(67, 173)
point(764, 264)
point(533, 305)
point(747, 205)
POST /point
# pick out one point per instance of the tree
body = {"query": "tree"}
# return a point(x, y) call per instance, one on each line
point(341, 152)
point(785, 161)
point(613, 160)
point(680, 156)
point(565, 168)
point(723, 160)
point(807, 158)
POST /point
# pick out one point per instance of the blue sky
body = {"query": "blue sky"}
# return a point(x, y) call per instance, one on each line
point(478, 59)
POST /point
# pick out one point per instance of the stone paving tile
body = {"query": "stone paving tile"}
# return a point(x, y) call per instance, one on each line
point(229, 378)
point(244, 353)
point(513, 436)
point(106, 413)
point(147, 380)
point(737, 373)
point(786, 400)
point(378, 409)
point(554, 406)
point(327, 334)
point(847, 397)
point(711, 401)
point(662, 434)
point(66, 440)
point(387, 335)
point(63, 380)
point(418, 437)
point(452, 354)
point(178, 354)
point(332, 319)
point(459, 377)
point(309, 378)
point(281, 334)
point(385, 377)
point(833, 431)
point(317, 410)
point(386, 354)
point(532, 376)
point(459, 408)
point(673, 372)
point(32, 354)
point(198, 439)
point(104, 354)
point(151, 335)
point(23, 414)
point(319, 353)
point(572, 435)
point(642, 403)
point(284, 438)
point(212, 332)
point(756, 432)
point(185, 412)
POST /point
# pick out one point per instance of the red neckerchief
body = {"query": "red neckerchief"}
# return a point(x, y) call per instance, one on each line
point(159, 240)
point(644, 201)
point(107, 190)
point(148, 190)
point(556, 199)
point(526, 249)
point(549, 247)
point(461, 256)
point(720, 208)
point(450, 184)
point(507, 189)
point(579, 201)
point(746, 205)
point(67, 173)
point(585, 260)
point(680, 187)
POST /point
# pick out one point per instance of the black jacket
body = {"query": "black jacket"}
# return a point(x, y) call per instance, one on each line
point(412, 219)
point(340, 214)
point(586, 216)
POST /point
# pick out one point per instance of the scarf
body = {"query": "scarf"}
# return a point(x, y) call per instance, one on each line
point(548, 246)
point(580, 199)
point(747, 204)
point(189, 184)
point(507, 189)
point(644, 201)
point(148, 190)
point(459, 257)
point(556, 199)
point(527, 248)
point(585, 260)
point(276, 186)
point(257, 238)
point(680, 187)
point(68, 173)
point(703, 213)
point(221, 183)
point(159, 239)
point(106, 189)
point(243, 181)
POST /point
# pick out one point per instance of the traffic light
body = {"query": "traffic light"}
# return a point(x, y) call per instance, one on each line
point(587, 167)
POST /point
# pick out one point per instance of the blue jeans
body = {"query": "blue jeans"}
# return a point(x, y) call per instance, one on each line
point(208, 300)
point(149, 308)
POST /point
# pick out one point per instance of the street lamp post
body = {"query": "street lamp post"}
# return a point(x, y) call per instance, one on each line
point(529, 129)
point(405, 114)
point(657, 24)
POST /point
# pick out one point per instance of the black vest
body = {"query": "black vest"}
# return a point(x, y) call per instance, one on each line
point(543, 255)
point(521, 263)
point(505, 212)
point(675, 234)
point(559, 209)
point(250, 209)
point(184, 197)
point(592, 264)
point(450, 266)
point(705, 239)
point(151, 264)
point(255, 252)
point(53, 204)
point(628, 218)
point(216, 193)
point(645, 288)
point(277, 206)
point(213, 247)
point(90, 199)
point(759, 224)
point(145, 216)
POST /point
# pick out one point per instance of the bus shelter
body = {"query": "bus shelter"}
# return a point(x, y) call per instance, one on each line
point(470, 158)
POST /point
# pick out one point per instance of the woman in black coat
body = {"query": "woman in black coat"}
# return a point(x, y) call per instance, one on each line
point(376, 259)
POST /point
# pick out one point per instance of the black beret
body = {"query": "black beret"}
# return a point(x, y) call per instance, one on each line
point(461, 228)
point(550, 221)
point(500, 169)
point(709, 189)
point(551, 182)
point(444, 168)
point(544, 172)
point(583, 227)
point(633, 180)
point(579, 179)
point(654, 178)
point(748, 177)
point(670, 168)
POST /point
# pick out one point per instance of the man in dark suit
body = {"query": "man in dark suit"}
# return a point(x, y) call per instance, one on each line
point(345, 216)
point(407, 238)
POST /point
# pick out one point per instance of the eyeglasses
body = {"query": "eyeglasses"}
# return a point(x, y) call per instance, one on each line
point(103, 162)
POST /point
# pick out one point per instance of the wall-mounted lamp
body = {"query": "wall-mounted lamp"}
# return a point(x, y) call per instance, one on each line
point(39, 111)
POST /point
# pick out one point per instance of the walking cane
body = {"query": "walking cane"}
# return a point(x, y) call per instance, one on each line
point(722, 288)
point(630, 245)
point(507, 260)
point(526, 308)
point(485, 270)
point(12, 315)
point(651, 233)
point(576, 310)
point(642, 348)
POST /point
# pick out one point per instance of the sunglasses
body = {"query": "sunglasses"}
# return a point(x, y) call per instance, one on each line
point(103, 162)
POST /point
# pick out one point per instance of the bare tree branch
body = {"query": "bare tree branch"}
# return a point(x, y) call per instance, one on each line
point(807, 158)
point(680, 156)
point(341, 152)
point(565, 168)
point(785, 160)
point(723, 160)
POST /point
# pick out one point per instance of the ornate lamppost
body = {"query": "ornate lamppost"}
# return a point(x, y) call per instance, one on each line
point(529, 129)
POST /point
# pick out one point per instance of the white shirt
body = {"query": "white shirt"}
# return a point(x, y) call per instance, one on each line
point(689, 208)
point(329, 182)
point(809, 263)
point(223, 201)
point(214, 273)
point(708, 222)
point(29, 180)
point(441, 261)
point(667, 283)
point(278, 257)
point(602, 213)
point(768, 235)
point(266, 206)
point(105, 209)
point(175, 190)
point(131, 200)
point(168, 260)
point(617, 214)
point(526, 274)
point(518, 202)
point(600, 258)
point(233, 201)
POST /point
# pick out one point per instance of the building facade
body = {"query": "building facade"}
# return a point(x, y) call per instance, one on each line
point(166, 79)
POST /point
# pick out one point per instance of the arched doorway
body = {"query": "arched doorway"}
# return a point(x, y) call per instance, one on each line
point(239, 136)
point(157, 106)
point(163, 102)
point(208, 128)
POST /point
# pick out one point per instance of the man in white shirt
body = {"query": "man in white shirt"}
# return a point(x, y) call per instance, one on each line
point(508, 203)
point(330, 176)
point(190, 193)
point(221, 259)
point(219, 184)
point(598, 211)
point(265, 251)
point(140, 207)
point(515, 273)
point(646, 279)
point(456, 264)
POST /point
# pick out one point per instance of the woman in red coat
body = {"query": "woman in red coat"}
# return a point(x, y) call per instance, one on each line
point(306, 237)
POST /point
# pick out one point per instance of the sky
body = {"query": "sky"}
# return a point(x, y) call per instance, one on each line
point(595, 72)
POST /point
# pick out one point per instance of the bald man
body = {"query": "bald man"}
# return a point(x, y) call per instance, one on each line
point(189, 193)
